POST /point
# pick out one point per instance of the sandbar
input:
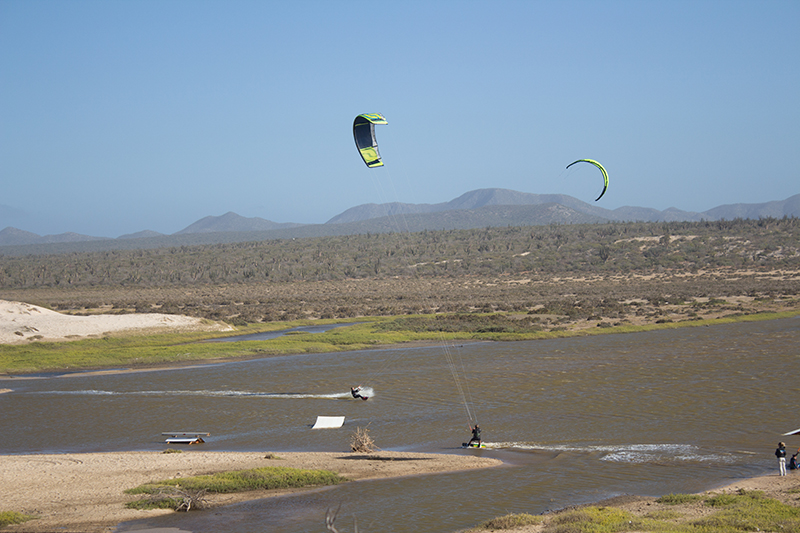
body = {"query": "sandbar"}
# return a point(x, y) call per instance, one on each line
point(83, 492)
point(22, 322)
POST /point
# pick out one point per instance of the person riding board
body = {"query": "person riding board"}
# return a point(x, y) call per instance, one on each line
point(476, 435)
point(356, 392)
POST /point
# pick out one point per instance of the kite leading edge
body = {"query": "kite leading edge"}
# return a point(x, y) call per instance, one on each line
point(603, 170)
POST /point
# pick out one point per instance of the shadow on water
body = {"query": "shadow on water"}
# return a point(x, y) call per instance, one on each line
point(575, 421)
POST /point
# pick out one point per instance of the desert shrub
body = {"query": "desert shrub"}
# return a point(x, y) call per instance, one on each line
point(362, 442)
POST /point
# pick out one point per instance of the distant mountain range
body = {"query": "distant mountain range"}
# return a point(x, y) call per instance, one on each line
point(474, 209)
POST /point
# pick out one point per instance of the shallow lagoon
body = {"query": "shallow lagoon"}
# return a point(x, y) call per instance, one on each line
point(576, 420)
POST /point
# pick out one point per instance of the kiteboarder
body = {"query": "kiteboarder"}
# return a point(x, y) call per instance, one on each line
point(476, 435)
point(356, 392)
point(780, 453)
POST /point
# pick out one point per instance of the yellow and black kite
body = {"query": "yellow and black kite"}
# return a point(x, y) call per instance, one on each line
point(364, 134)
point(603, 170)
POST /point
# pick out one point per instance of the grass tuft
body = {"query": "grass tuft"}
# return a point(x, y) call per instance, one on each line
point(243, 480)
point(679, 499)
point(511, 521)
point(8, 518)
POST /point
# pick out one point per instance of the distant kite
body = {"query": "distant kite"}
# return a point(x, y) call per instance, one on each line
point(364, 134)
point(603, 170)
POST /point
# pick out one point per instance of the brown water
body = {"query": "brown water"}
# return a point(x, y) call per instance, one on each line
point(576, 420)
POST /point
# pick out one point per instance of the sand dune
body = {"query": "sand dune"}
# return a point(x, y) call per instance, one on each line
point(21, 323)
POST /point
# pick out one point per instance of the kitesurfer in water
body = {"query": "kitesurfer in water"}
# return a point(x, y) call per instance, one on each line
point(476, 436)
point(356, 392)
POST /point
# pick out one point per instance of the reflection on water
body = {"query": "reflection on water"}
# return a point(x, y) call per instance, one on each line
point(575, 420)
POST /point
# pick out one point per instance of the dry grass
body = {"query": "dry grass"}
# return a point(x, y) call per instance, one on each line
point(362, 442)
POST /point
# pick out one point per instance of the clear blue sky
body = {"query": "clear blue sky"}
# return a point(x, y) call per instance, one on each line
point(122, 116)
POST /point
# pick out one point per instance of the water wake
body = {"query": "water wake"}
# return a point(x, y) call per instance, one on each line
point(623, 453)
point(211, 394)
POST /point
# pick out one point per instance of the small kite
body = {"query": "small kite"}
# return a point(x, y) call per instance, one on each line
point(603, 170)
point(364, 134)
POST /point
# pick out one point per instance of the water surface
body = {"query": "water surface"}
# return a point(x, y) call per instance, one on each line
point(575, 420)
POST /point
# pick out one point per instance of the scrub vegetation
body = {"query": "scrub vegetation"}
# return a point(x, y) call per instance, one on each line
point(503, 284)
point(189, 492)
point(686, 513)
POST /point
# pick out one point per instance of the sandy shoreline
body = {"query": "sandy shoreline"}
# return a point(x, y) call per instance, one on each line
point(84, 492)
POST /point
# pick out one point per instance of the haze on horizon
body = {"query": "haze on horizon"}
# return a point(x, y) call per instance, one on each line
point(119, 117)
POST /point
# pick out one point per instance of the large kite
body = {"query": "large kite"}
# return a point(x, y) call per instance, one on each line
point(603, 170)
point(364, 134)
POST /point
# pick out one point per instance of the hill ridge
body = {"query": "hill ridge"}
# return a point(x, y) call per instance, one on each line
point(476, 208)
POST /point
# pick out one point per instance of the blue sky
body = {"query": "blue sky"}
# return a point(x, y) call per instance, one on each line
point(122, 116)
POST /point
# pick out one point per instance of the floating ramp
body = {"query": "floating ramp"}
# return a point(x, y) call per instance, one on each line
point(185, 437)
point(325, 422)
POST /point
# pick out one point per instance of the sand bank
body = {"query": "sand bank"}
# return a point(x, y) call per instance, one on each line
point(21, 323)
point(84, 492)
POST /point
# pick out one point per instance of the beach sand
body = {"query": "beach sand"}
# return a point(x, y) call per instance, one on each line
point(84, 492)
point(21, 322)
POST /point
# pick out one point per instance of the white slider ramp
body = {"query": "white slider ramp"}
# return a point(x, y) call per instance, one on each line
point(325, 422)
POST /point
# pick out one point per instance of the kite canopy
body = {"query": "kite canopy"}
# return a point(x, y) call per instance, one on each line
point(364, 134)
point(603, 170)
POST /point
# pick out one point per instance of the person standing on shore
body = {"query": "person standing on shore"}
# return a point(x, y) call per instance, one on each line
point(780, 453)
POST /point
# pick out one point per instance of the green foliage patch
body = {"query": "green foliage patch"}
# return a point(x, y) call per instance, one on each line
point(591, 520)
point(159, 502)
point(679, 499)
point(244, 480)
point(750, 511)
point(8, 518)
point(742, 511)
point(511, 521)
